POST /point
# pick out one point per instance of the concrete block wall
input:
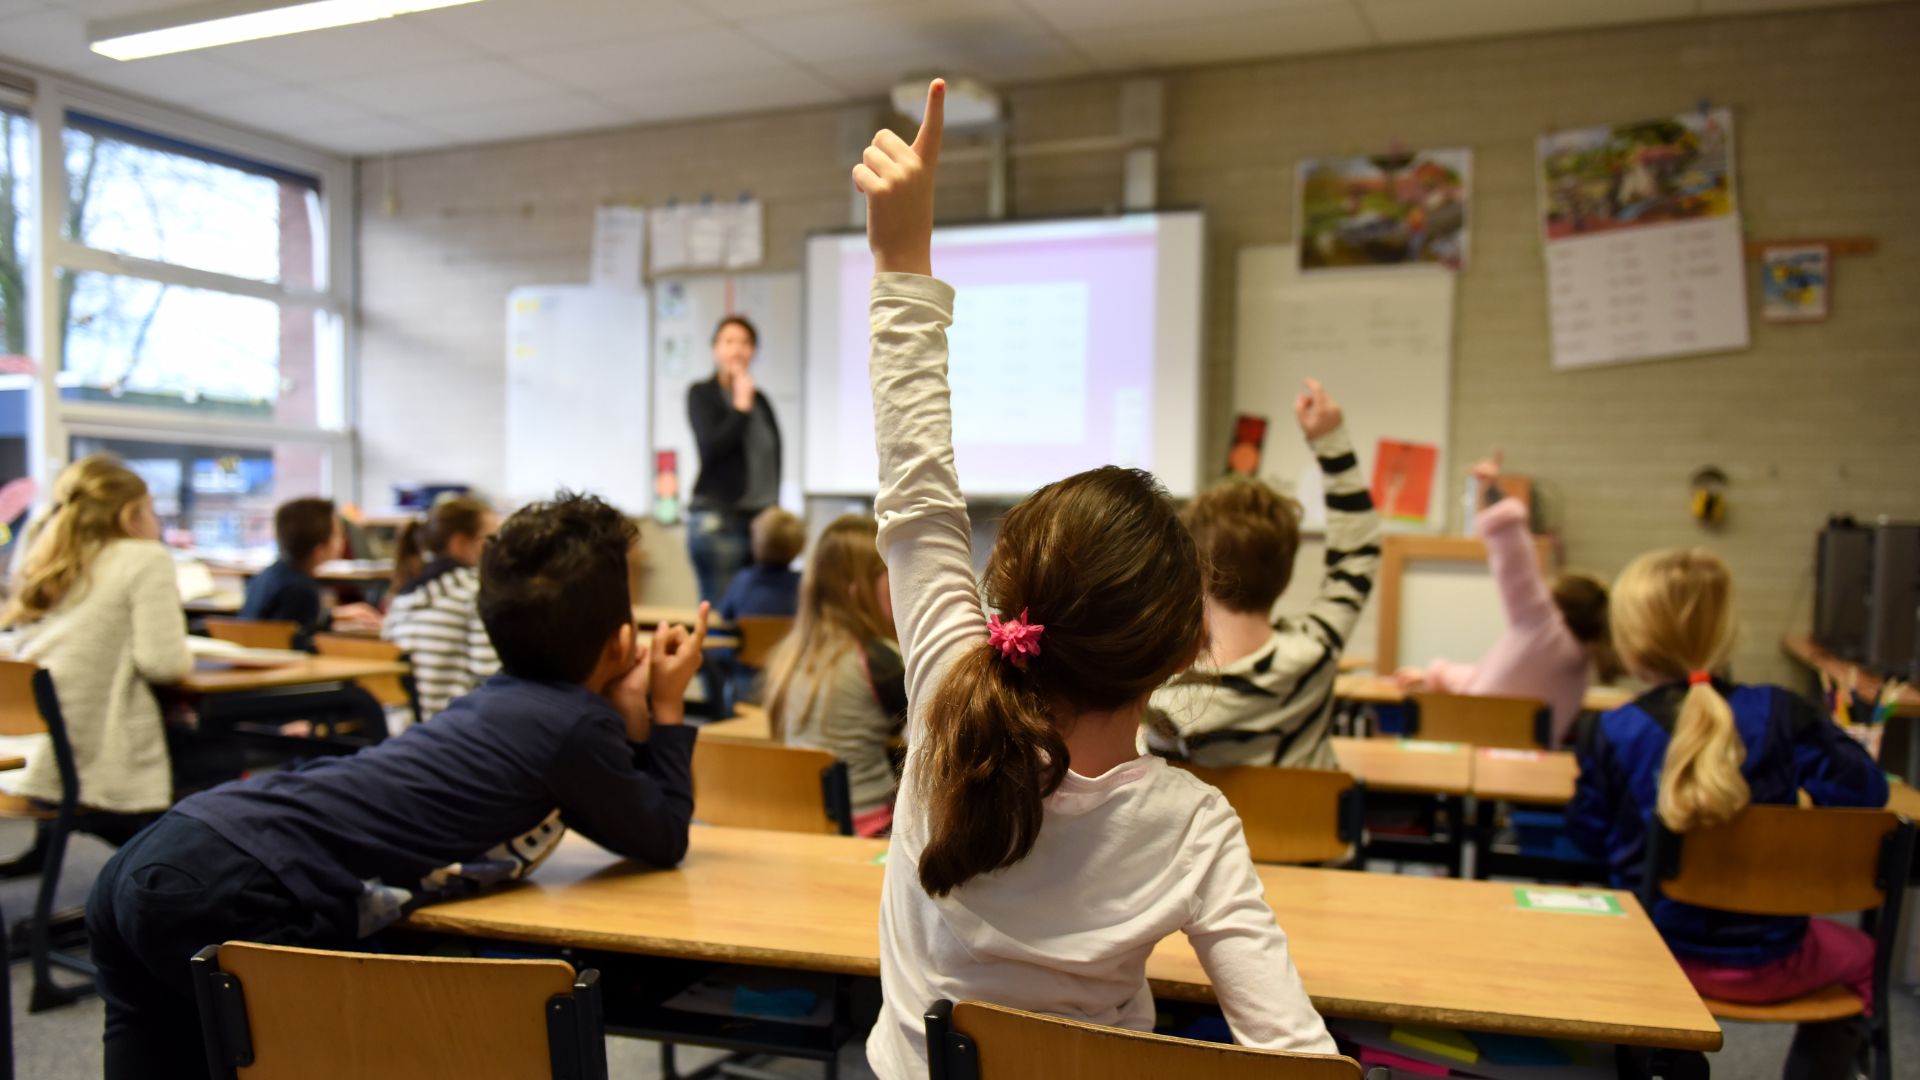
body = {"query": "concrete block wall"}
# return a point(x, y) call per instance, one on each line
point(1812, 420)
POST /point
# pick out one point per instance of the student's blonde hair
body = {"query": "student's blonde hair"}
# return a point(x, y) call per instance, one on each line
point(839, 609)
point(1672, 614)
point(776, 537)
point(89, 499)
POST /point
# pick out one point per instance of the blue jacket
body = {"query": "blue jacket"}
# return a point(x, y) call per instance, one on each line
point(1790, 747)
point(284, 591)
point(762, 590)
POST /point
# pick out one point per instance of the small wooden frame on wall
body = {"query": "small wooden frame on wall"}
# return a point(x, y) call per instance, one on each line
point(1438, 599)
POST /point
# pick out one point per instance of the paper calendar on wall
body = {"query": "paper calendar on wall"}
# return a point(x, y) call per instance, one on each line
point(1643, 246)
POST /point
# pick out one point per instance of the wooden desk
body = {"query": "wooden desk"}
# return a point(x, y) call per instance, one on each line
point(211, 678)
point(1369, 946)
point(1538, 777)
point(651, 615)
point(223, 603)
point(10, 763)
point(1904, 800)
point(1803, 649)
point(344, 571)
point(758, 725)
point(1381, 690)
point(1389, 765)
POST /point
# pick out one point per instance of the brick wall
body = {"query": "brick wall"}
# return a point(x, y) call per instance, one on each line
point(1811, 420)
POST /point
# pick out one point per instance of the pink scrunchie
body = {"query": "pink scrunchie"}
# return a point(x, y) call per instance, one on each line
point(1016, 639)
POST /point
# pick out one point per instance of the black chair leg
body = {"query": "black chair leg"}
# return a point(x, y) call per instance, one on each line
point(6, 1013)
point(46, 993)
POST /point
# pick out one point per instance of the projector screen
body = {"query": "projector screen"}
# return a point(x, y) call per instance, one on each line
point(1075, 343)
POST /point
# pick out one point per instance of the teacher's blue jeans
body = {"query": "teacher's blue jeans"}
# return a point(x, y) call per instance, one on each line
point(718, 543)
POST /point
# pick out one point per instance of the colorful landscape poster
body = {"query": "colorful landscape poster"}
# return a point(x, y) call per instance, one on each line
point(1795, 281)
point(1625, 176)
point(1398, 209)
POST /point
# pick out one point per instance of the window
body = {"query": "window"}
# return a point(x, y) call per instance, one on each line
point(217, 498)
point(16, 369)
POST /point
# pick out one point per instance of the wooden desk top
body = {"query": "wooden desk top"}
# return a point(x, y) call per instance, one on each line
point(650, 615)
point(338, 570)
point(1409, 765)
point(758, 725)
point(1541, 777)
point(10, 763)
point(1380, 690)
point(1904, 800)
point(225, 603)
point(1808, 652)
point(212, 679)
point(1369, 946)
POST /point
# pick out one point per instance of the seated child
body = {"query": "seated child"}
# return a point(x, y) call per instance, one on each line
point(1556, 637)
point(836, 681)
point(434, 614)
point(1263, 692)
point(583, 729)
point(1696, 750)
point(769, 586)
point(308, 533)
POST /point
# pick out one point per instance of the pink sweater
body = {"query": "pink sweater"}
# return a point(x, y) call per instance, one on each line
point(1537, 657)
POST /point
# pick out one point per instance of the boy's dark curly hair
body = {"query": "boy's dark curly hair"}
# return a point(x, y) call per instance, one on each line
point(553, 586)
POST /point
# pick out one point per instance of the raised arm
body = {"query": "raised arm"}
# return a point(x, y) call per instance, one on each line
point(1502, 526)
point(925, 535)
point(1353, 529)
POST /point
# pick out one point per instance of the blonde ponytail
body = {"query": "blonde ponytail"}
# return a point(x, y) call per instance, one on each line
point(89, 498)
point(1672, 614)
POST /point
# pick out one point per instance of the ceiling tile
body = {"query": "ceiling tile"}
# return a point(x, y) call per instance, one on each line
point(510, 27)
point(767, 89)
point(373, 135)
point(747, 10)
point(288, 110)
point(1400, 21)
point(1326, 28)
point(1736, 7)
point(323, 56)
point(453, 86)
point(1115, 14)
point(555, 114)
point(656, 58)
point(965, 28)
point(1013, 59)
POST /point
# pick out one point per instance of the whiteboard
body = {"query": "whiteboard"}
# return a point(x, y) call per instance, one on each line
point(1382, 342)
point(577, 394)
point(1448, 610)
point(686, 309)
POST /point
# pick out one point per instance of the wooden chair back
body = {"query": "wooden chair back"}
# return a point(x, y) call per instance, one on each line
point(252, 633)
point(992, 1042)
point(1781, 860)
point(758, 635)
point(1509, 723)
point(19, 709)
point(1292, 815)
point(306, 1014)
point(759, 784)
point(388, 690)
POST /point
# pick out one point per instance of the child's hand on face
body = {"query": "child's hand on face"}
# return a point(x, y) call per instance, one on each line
point(897, 180)
point(1318, 413)
point(628, 694)
point(676, 656)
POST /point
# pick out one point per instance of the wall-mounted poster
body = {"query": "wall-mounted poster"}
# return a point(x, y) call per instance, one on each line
point(1397, 209)
point(1795, 282)
point(1642, 236)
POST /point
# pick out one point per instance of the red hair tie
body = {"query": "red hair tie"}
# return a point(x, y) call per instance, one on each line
point(1016, 639)
point(1695, 678)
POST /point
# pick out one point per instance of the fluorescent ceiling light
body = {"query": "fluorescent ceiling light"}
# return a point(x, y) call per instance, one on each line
point(225, 22)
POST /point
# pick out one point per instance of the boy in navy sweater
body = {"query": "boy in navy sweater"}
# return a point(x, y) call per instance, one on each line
point(308, 533)
point(583, 729)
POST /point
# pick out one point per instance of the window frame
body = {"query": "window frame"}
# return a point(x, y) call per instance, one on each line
point(56, 420)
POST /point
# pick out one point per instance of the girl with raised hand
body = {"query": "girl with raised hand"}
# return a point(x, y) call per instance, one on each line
point(1037, 857)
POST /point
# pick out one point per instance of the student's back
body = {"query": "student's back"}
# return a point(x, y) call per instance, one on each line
point(306, 532)
point(434, 614)
point(768, 585)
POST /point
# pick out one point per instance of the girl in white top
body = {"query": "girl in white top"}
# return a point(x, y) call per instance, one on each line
point(96, 603)
point(1037, 858)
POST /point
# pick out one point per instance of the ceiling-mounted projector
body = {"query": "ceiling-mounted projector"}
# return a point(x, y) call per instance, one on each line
point(970, 102)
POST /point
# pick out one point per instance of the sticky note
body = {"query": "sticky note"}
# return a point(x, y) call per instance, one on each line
point(1567, 901)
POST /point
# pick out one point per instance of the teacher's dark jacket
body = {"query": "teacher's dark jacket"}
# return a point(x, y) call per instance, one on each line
point(721, 432)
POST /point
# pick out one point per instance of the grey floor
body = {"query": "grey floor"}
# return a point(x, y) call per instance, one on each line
point(65, 1044)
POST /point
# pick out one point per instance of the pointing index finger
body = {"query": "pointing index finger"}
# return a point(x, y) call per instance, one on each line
point(700, 627)
point(927, 142)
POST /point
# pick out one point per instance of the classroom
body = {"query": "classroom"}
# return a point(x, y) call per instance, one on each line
point(959, 538)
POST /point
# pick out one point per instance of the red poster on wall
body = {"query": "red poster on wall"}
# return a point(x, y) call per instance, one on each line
point(1403, 480)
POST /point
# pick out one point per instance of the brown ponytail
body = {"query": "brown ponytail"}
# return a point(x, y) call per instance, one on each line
point(1672, 614)
point(427, 535)
point(1102, 561)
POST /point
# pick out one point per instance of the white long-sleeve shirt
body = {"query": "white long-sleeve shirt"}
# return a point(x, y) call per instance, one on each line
point(118, 629)
point(1122, 859)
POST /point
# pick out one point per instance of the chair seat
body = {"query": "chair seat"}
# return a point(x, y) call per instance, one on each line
point(1826, 1003)
point(21, 808)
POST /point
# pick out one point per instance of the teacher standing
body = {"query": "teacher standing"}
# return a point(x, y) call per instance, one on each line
point(739, 441)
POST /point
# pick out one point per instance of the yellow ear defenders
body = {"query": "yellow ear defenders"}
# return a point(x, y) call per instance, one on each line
point(1709, 499)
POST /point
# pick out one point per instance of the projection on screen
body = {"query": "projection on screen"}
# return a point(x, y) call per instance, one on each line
point(1075, 343)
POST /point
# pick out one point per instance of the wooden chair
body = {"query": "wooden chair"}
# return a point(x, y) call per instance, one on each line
point(1509, 723)
point(976, 1041)
point(252, 633)
point(758, 636)
point(1784, 860)
point(303, 1014)
point(29, 706)
point(757, 784)
point(388, 690)
point(1293, 816)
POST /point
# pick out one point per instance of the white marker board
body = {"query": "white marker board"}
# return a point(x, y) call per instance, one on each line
point(577, 392)
point(686, 310)
point(1381, 341)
